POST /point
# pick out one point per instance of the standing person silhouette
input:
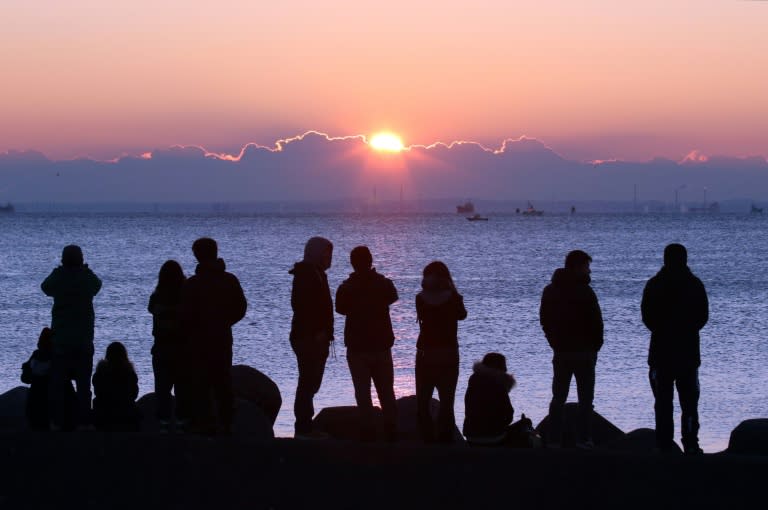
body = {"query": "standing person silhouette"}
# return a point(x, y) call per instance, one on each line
point(169, 350)
point(212, 301)
point(439, 307)
point(364, 299)
point(573, 324)
point(674, 308)
point(72, 286)
point(311, 329)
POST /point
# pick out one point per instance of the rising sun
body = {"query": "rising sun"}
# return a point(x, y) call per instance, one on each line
point(386, 142)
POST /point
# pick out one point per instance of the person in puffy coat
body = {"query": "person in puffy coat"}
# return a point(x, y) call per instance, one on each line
point(488, 412)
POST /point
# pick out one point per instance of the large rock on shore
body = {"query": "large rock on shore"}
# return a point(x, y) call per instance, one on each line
point(253, 386)
point(13, 409)
point(603, 431)
point(750, 437)
point(638, 440)
point(249, 419)
point(342, 422)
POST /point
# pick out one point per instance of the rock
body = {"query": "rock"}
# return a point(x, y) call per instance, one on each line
point(750, 437)
point(343, 422)
point(13, 409)
point(638, 440)
point(255, 387)
point(407, 420)
point(603, 431)
point(249, 419)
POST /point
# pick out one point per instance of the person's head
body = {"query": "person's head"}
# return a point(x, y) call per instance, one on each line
point(45, 340)
point(72, 256)
point(578, 261)
point(361, 258)
point(116, 354)
point(436, 274)
point(205, 249)
point(171, 276)
point(496, 361)
point(675, 256)
point(318, 251)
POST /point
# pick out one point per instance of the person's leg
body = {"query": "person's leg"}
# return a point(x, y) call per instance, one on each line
point(561, 382)
point(584, 372)
point(360, 370)
point(163, 383)
point(383, 375)
point(447, 379)
point(662, 385)
point(311, 364)
point(424, 390)
point(688, 391)
point(82, 370)
point(222, 392)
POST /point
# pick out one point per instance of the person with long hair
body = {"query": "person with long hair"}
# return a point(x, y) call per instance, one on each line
point(116, 387)
point(439, 307)
point(168, 356)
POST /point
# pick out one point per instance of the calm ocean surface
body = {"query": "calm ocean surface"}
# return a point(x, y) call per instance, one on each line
point(500, 266)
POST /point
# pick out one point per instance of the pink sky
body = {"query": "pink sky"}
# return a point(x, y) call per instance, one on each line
point(592, 79)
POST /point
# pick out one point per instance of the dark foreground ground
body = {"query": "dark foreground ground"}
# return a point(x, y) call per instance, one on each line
point(87, 470)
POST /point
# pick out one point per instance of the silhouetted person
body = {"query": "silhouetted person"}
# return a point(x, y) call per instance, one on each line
point(573, 324)
point(364, 299)
point(73, 286)
point(170, 363)
point(36, 372)
point(311, 329)
point(212, 302)
point(674, 308)
point(439, 307)
point(115, 388)
point(488, 411)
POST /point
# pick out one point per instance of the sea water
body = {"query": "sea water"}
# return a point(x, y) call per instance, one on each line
point(500, 266)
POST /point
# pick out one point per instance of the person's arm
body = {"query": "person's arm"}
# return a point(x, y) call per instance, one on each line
point(597, 322)
point(546, 316)
point(342, 299)
point(239, 305)
point(702, 307)
point(94, 282)
point(391, 292)
point(50, 284)
point(461, 311)
point(647, 307)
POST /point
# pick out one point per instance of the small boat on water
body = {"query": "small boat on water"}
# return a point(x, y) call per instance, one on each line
point(477, 217)
point(532, 211)
point(756, 210)
point(7, 208)
point(466, 208)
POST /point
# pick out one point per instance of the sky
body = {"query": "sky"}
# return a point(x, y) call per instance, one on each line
point(591, 79)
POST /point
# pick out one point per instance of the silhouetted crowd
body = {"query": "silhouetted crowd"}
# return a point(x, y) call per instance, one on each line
point(192, 321)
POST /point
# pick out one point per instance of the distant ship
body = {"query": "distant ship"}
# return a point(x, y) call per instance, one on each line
point(756, 210)
point(711, 208)
point(465, 208)
point(477, 217)
point(7, 208)
point(532, 211)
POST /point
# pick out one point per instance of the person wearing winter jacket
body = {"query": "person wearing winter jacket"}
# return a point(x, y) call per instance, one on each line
point(573, 325)
point(488, 412)
point(115, 387)
point(364, 298)
point(439, 307)
point(72, 286)
point(36, 372)
point(311, 329)
point(675, 308)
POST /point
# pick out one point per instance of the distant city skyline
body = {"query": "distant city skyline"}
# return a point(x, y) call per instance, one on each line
point(591, 79)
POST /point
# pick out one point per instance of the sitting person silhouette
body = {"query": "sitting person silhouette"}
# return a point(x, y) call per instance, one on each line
point(36, 372)
point(488, 411)
point(116, 387)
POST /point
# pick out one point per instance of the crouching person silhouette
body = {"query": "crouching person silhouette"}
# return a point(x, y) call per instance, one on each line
point(36, 372)
point(116, 387)
point(488, 412)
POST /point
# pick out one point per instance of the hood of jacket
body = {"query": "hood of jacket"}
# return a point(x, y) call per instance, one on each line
point(503, 378)
point(435, 290)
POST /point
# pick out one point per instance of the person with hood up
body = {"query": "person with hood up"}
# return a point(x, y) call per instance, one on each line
point(72, 286)
point(212, 301)
point(439, 307)
point(573, 325)
point(488, 412)
point(364, 299)
point(675, 308)
point(311, 329)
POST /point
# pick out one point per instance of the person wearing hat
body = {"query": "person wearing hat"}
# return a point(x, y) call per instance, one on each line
point(573, 325)
point(488, 411)
point(72, 286)
point(675, 308)
point(311, 330)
